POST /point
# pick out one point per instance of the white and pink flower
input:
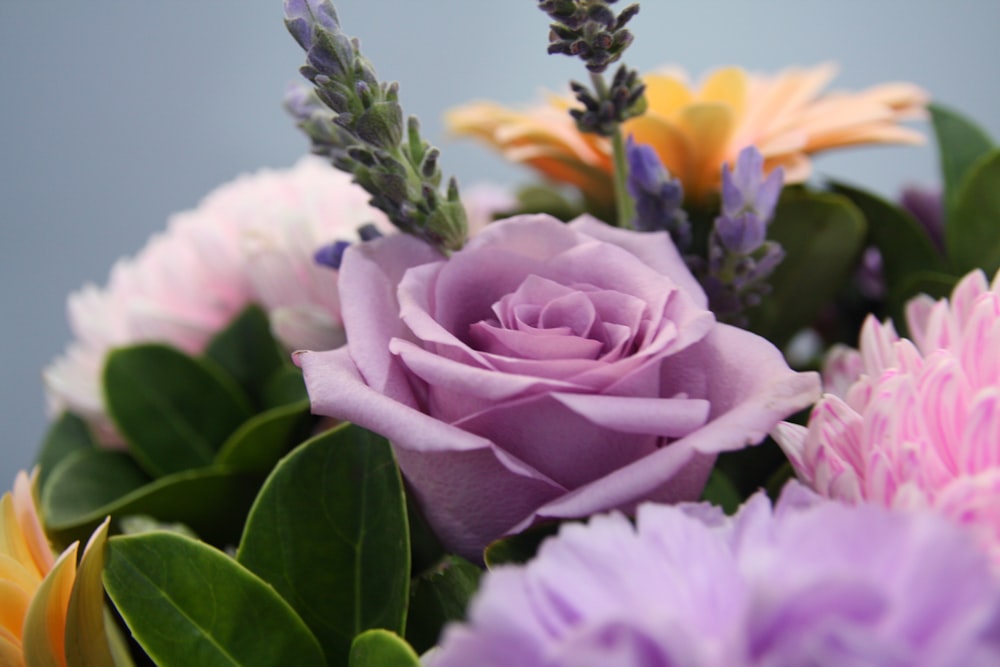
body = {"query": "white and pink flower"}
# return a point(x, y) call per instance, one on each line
point(919, 426)
point(249, 241)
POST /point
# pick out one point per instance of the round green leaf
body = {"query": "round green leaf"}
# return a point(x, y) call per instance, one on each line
point(67, 435)
point(329, 532)
point(262, 440)
point(904, 245)
point(189, 604)
point(973, 230)
point(174, 411)
point(247, 351)
point(381, 648)
point(437, 597)
point(961, 143)
point(822, 235)
point(93, 484)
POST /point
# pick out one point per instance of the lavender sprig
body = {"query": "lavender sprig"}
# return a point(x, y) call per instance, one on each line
point(657, 195)
point(357, 122)
point(740, 259)
point(590, 30)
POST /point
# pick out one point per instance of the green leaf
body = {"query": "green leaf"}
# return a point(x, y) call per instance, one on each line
point(823, 235)
point(174, 411)
point(720, 491)
point(248, 352)
point(903, 243)
point(329, 532)
point(961, 143)
point(973, 230)
point(381, 648)
point(283, 387)
point(519, 548)
point(67, 434)
point(262, 440)
point(90, 485)
point(85, 483)
point(189, 604)
point(439, 596)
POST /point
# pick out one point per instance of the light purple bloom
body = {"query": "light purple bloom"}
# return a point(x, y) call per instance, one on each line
point(657, 196)
point(302, 16)
point(545, 370)
point(808, 583)
point(748, 202)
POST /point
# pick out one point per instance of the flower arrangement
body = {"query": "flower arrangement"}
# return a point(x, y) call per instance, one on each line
point(685, 407)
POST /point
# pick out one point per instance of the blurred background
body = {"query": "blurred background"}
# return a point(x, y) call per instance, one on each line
point(114, 114)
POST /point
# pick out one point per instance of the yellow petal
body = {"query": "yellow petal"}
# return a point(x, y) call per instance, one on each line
point(44, 635)
point(666, 95)
point(14, 602)
point(12, 542)
point(726, 86)
point(669, 142)
point(86, 638)
point(31, 525)
point(10, 651)
point(709, 128)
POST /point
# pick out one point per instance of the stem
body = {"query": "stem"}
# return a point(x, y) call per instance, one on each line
point(624, 208)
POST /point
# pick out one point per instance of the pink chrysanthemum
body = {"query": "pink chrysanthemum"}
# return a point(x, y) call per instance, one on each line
point(251, 240)
point(920, 423)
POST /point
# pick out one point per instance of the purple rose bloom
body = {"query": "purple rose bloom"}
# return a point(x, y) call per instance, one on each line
point(544, 371)
point(810, 582)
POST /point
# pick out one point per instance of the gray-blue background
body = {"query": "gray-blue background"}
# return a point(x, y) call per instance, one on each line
point(115, 113)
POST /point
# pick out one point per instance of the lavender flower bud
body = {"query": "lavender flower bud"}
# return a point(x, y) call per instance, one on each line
point(332, 254)
point(302, 15)
point(657, 196)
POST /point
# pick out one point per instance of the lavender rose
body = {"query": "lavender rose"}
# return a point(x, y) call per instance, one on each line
point(544, 371)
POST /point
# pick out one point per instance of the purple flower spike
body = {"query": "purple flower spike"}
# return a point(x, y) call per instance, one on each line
point(302, 15)
point(657, 196)
point(743, 191)
point(808, 582)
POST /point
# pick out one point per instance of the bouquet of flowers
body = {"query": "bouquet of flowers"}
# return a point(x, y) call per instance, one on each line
point(668, 404)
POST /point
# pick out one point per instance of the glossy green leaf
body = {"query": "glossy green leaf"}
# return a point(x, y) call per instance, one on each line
point(961, 143)
point(86, 637)
point(248, 352)
point(519, 548)
point(381, 648)
point(329, 532)
point(973, 230)
point(439, 596)
point(720, 491)
point(85, 483)
point(174, 411)
point(66, 435)
point(93, 484)
point(262, 440)
point(903, 243)
point(823, 235)
point(285, 386)
point(189, 604)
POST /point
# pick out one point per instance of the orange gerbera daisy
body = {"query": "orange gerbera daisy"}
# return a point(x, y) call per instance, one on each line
point(697, 129)
point(36, 587)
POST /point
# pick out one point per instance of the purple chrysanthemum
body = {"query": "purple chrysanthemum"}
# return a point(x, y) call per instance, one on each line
point(808, 583)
